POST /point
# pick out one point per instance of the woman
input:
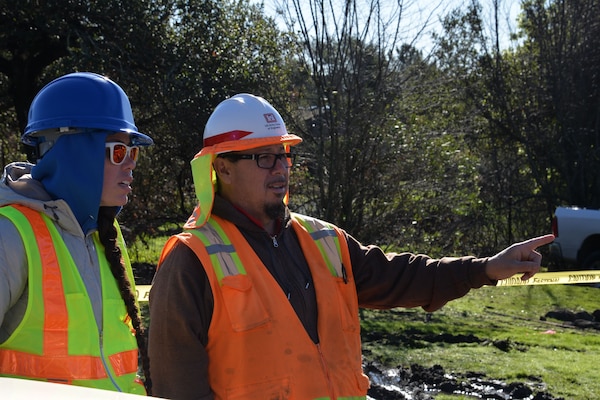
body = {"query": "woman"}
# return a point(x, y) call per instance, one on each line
point(68, 312)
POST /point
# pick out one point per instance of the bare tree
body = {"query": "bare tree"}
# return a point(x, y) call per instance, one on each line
point(349, 80)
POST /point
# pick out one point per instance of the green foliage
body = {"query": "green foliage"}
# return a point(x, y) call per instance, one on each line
point(176, 60)
point(437, 170)
point(560, 53)
point(213, 49)
point(531, 105)
point(39, 41)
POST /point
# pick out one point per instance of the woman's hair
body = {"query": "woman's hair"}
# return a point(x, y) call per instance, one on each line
point(108, 237)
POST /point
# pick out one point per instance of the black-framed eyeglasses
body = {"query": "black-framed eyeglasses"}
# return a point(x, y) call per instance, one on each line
point(263, 160)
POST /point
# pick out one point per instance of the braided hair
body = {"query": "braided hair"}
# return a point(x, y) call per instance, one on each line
point(108, 237)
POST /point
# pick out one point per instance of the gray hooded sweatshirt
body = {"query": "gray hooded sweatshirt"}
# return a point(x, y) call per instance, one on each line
point(18, 187)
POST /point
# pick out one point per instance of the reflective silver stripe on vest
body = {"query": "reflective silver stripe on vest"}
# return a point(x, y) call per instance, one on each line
point(220, 248)
point(222, 253)
point(326, 239)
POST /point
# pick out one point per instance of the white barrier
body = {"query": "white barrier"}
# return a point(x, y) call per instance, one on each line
point(25, 389)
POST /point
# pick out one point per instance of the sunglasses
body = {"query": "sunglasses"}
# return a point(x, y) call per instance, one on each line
point(117, 152)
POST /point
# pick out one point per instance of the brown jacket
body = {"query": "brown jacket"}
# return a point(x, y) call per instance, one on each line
point(181, 300)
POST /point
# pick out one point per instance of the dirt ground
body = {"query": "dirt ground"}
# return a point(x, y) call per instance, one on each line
point(416, 382)
point(419, 383)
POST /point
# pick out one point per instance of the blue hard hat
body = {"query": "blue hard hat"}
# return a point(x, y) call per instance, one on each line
point(77, 102)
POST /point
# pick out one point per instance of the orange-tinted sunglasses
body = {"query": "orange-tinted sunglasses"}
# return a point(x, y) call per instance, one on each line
point(117, 152)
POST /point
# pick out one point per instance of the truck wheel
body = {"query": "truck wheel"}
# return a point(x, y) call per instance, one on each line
point(592, 261)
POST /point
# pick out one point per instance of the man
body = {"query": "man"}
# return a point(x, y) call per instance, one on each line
point(252, 301)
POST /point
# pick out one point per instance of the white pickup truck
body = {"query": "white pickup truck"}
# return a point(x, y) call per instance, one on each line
point(577, 243)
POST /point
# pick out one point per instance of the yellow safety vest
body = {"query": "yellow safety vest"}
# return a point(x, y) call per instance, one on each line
point(257, 345)
point(58, 339)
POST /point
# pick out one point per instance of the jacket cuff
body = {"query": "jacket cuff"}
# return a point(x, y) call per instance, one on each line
point(477, 274)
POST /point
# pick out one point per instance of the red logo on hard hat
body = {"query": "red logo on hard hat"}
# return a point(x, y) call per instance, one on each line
point(226, 137)
point(270, 118)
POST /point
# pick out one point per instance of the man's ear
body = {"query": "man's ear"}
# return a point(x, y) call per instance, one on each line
point(222, 167)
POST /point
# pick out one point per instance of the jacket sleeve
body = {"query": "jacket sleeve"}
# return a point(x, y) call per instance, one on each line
point(181, 305)
point(388, 280)
point(13, 278)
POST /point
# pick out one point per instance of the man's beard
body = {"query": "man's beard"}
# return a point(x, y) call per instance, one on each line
point(275, 211)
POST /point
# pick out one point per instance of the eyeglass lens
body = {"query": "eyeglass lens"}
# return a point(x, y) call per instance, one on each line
point(268, 160)
point(119, 151)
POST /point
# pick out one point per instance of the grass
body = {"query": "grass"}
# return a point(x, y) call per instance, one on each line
point(563, 357)
point(148, 248)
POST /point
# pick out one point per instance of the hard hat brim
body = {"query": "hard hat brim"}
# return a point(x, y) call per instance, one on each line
point(32, 138)
point(140, 139)
point(248, 144)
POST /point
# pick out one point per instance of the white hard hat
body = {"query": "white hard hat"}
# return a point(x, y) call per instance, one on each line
point(243, 122)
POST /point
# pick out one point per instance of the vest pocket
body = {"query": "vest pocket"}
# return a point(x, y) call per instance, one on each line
point(244, 306)
point(349, 315)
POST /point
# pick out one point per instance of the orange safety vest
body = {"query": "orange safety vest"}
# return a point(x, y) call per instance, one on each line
point(257, 345)
point(58, 339)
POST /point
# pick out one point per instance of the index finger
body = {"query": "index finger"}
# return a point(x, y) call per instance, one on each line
point(536, 242)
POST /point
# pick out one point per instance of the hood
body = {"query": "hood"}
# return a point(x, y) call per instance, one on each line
point(18, 187)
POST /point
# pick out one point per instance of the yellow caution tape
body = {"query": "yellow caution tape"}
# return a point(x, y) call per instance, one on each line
point(541, 278)
point(554, 278)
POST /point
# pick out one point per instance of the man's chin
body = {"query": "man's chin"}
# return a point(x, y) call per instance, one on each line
point(275, 210)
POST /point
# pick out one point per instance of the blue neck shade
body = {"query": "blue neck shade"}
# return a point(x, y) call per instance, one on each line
point(73, 170)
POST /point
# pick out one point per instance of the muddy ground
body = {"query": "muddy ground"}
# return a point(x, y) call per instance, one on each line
point(416, 382)
point(419, 383)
